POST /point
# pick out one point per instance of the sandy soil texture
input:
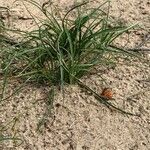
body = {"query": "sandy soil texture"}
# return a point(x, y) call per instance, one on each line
point(80, 122)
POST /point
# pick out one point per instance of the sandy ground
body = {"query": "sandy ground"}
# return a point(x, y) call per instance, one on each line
point(79, 122)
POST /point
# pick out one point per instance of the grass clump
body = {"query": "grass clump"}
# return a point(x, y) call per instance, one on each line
point(63, 48)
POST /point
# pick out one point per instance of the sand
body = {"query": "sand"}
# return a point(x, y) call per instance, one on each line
point(80, 122)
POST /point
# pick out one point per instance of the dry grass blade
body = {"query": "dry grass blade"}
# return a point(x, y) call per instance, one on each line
point(105, 100)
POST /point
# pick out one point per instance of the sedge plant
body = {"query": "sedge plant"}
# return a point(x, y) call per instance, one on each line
point(64, 48)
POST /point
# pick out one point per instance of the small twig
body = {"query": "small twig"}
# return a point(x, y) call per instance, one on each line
point(146, 80)
point(146, 38)
point(46, 3)
point(138, 49)
point(24, 18)
point(104, 100)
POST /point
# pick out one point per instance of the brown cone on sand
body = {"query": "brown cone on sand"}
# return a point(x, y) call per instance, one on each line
point(107, 93)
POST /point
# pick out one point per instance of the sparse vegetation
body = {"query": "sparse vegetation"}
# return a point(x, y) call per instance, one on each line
point(63, 49)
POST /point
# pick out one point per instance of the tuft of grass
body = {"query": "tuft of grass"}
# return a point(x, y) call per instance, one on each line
point(64, 48)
